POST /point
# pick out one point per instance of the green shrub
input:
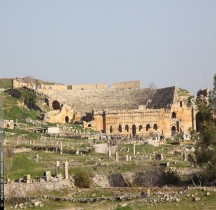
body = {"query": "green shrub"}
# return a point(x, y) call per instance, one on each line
point(83, 178)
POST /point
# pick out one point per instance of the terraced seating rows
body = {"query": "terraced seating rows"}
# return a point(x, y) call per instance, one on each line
point(115, 99)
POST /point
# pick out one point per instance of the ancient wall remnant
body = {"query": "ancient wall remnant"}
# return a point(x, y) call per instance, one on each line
point(89, 87)
point(131, 84)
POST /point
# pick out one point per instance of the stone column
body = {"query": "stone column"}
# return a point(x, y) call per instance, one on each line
point(116, 157)
point(109, 154)
point(134, 148)
point(184, 156)
point(130, 158)
point(66, 170)
point(17, 142)
point(126, 157)
point(27, 179)
point(57, 168)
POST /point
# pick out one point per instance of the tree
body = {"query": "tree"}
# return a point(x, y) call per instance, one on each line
point(214, 93)
point(206, 145)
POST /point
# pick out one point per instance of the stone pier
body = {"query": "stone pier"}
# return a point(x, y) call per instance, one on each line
point(57, 168)
point(66, 170)
point(116, 157)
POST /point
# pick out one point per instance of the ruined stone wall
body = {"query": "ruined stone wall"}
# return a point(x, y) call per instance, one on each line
point(177, 118)
point(64, 115)
point(160, 122)
point(16, 83)
point(131, 84)
point(136, 120)
point(53, 87)
point(89, 87)
point(19, 84)
point(16, 189)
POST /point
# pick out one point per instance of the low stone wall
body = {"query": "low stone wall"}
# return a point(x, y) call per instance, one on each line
point(21, 150)
point(22, 189)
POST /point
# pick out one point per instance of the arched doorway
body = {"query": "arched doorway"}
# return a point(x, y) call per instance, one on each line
point(134, 130)
point(140, 128)
point(67, 119)
point(111, 129)
point(127, 128)
point(173, 130)
point(155, 126)
point(148, 127)
point(198, 121)
point(173, 115)
point(120, 128)
point(56, 105)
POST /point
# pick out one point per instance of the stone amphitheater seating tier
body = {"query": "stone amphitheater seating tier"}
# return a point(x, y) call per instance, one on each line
point(162, 98)
point(113, 99)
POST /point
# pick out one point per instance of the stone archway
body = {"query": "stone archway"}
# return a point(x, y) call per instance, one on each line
point(134, 130)
point(120, 128)
point(173, 115)
point(155, 126)
point(56, 105)
point(173, 130)
point(140, 128)
point(127, 128)
point(67, 120)
point(148, 127)
point(111, 129)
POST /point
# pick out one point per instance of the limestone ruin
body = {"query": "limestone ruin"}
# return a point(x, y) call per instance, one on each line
point(125, 109)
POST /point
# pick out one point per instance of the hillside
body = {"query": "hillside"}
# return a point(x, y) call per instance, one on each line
point(5, 83)
point(15, 109)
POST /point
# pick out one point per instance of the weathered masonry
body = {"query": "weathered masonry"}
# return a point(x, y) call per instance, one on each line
point(123, 109)
point(166, 113)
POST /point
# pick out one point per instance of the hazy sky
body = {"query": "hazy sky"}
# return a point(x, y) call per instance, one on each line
point(167, 42)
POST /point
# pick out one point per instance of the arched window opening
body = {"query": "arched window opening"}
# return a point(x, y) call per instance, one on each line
point(155, 126)
point(148, 127)
point(134, 130)
point(180, 104)
point(127, 128)
point(56, 105)
point(173, 130)
point(67, 119)
point(89, 125)
point(120, 128)
point(140, 128)
point(111, 129)
point(173, 115)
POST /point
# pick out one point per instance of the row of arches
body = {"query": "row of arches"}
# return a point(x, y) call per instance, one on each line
point(134, 128)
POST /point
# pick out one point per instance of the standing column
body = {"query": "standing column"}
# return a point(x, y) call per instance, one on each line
point(57, 168)
point(134, 149)
point(109, 154)
point(116, 157)
point(66, 169)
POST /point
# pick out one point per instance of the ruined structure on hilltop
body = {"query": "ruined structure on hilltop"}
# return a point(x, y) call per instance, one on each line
point(124, 109)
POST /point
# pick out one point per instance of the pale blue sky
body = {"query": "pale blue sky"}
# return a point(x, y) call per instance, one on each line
point(167, 42)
